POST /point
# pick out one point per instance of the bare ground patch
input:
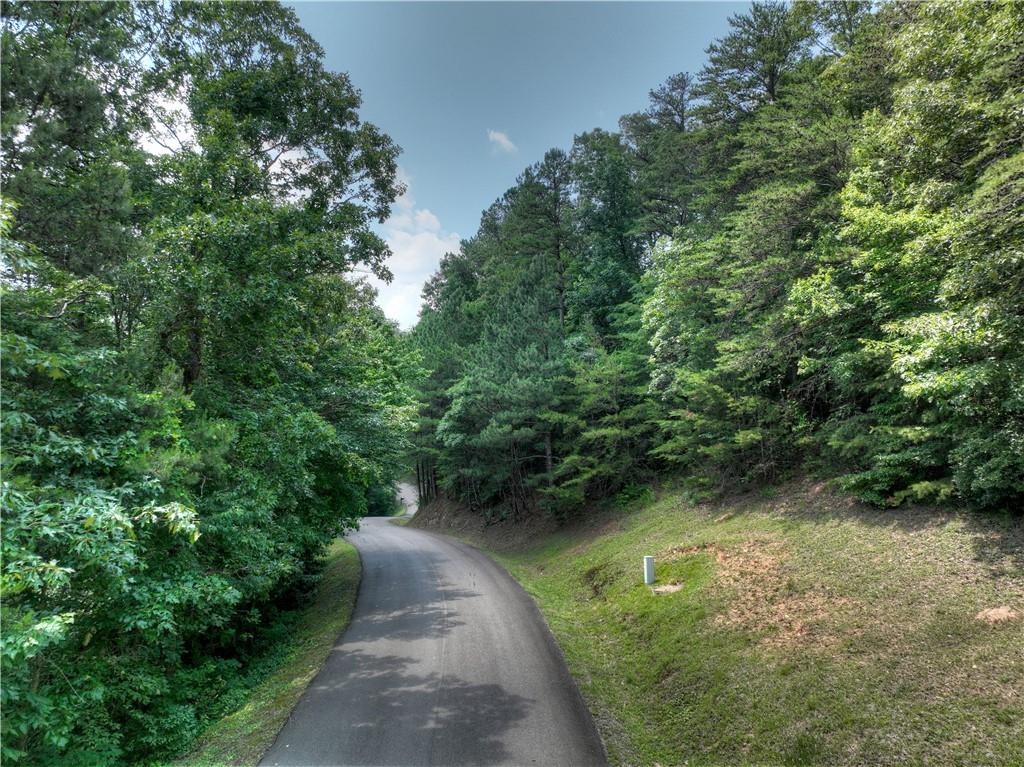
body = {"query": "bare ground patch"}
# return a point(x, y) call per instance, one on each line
point(764, 601)
point(996, 615)
point(668, 588)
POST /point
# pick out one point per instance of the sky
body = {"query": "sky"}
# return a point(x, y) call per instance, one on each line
point(476, 92)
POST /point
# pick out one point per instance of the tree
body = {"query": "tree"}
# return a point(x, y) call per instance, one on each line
point(666, 155)
point(198, 394)
point(609, 257)
point(803, 260)
point(934, 207)
point(747, 68)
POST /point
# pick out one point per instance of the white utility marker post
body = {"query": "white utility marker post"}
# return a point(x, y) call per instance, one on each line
point(648, 570)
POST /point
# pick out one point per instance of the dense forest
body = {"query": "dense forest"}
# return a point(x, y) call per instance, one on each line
point(807, 257)
point(197, 393)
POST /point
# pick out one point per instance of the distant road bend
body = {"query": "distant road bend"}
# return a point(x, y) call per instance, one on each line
point(446, 662)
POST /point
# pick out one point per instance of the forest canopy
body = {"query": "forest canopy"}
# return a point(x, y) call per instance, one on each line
point(806, 257)
point(198, 393)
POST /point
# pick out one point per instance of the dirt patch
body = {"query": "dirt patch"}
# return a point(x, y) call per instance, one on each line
point(802, 619)
point(764, 600)
point(747, 559)
point(751, 560)
point(668, 588)
point(996, 615)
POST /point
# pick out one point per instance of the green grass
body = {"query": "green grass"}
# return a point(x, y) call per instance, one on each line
point(803, 629)
point(242, 737)
point(398, 511)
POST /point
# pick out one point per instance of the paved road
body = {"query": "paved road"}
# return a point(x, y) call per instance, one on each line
point(446, 662)
point(408, 495)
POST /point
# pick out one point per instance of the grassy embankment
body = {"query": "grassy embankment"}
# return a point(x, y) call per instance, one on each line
point(796, 629)
point(242, 737)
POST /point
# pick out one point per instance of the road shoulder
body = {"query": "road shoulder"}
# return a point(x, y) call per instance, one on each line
point(242, 737)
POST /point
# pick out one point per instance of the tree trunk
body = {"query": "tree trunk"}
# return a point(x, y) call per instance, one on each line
point(559, 264)
point(549, 459)
point(560, 287)
point(194, 355)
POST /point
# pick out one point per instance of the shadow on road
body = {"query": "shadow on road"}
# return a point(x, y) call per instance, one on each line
point(410, 619)
point(463, 723)
point(443, 664)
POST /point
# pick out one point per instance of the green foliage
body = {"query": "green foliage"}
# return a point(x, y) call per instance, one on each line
point(197, 395)
point(807, 256)
point(258, 704)
point(382, 501)
point(534, 356)
point(828, 315)
point(934, 206)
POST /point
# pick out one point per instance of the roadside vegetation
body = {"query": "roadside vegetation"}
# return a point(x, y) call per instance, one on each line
point(795, 627)
point(244, 735)
point(199, 393)
point(803, 260)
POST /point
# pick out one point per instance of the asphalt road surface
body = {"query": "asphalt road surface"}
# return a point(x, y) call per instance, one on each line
point(407, 495)
point(447, 661)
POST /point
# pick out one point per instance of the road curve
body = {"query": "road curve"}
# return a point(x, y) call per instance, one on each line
point(447, 661)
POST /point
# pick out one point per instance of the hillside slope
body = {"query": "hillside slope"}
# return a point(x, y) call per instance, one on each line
point(796, 628)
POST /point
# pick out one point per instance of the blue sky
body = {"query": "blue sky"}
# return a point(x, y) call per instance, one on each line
point(475, 92)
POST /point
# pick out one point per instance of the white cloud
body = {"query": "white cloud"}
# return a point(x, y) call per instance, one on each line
point(427, 220)
point(417, 241)
point(501, 141)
